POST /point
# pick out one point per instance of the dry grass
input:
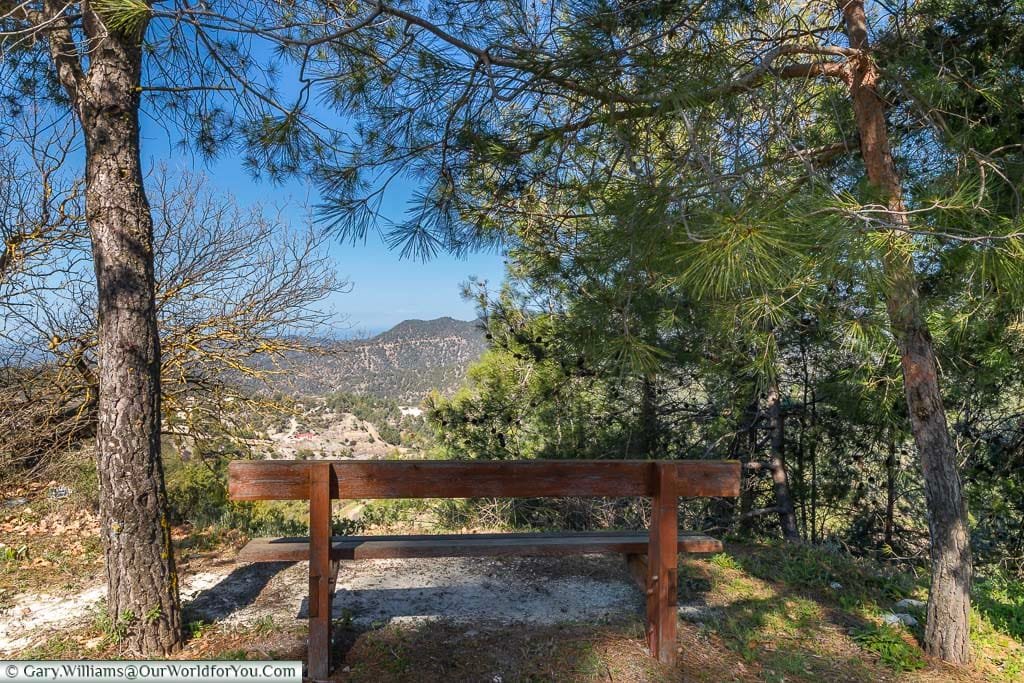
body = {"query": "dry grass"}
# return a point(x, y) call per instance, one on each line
point(46, 544)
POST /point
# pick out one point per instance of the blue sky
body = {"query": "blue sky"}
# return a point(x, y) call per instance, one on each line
point(385, 289)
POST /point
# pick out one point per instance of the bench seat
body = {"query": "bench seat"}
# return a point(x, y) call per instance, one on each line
point(296, 549)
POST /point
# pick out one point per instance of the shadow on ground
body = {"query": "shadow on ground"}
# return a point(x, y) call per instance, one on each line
point(570, 619)
point(236, 591)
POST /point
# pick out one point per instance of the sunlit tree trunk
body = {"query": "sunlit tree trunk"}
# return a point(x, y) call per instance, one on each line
point(947, 630)
point(142, 584)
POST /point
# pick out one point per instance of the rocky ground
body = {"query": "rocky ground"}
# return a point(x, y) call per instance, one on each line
point(346, 436)
point(484, 592)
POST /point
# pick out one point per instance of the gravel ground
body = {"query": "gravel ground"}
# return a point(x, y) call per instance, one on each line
point(369, 593)
point(504, 590)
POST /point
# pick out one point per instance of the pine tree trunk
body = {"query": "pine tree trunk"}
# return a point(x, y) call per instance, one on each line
point(780, 477)
point(801, 453)
point(890, 492)
point(947, 629)
point(142, 583)
point(812, 447)
point(748, 482)
point(948, 625)
point(650, 428)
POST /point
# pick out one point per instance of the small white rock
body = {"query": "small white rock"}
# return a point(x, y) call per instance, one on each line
point(910, 603)
point(690, 612)
point(836, 586)
point(897, 618)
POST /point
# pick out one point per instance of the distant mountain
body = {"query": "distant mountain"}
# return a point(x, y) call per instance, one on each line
point(403, 363)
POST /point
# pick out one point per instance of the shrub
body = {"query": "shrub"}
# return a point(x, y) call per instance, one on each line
point(197, 495)
point(1000, 599)
point(890, 646)
point(807, 567)
point(196, 491)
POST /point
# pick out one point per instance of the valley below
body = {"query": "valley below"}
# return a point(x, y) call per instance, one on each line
point(362, 398)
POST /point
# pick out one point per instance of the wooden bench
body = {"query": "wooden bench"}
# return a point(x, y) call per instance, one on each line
point(651, 556)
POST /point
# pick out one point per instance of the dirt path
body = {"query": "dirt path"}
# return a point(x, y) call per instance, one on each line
point(508, 590)
point(33, 617)
point(369, 593)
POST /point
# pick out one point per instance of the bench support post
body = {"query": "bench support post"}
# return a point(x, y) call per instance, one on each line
point(637, 566)
point(320, 574)
point(662, 572)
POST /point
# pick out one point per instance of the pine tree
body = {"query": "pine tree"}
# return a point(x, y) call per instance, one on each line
point(737, 128)
point(213, 76)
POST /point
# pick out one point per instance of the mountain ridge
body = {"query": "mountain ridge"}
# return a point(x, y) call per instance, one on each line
point(402, 363)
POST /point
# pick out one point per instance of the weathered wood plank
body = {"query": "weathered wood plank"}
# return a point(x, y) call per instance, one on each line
point(637, 566)
point(277, 480)
point(474, 545)
point(319, 572)
point(335, 567)
point(662, 568)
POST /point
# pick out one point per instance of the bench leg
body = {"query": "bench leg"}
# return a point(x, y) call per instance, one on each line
point(662, 568)
point(637, 566)
point(335, 566)
point(320, 575)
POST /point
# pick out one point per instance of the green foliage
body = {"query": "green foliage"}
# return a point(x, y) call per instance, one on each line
point(891, 647)
point(547, 388)
point(13, 554)
point(726, 561)
point(197, 495)
point(196, 629)
point(1000, 599)
point(196, 489)
point(865, 585)
point(385, 514)
point(123, 16)
point(236, 654)
point(55, 647)
point(384, 414)
point(114, 631)
point(265, 625)
point(263, 518)
point(688, 225)
point(1007, 650)
point(741, 252)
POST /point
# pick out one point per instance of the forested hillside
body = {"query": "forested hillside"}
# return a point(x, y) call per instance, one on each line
point(403, 364)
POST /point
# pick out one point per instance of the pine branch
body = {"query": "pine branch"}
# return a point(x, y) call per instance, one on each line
point(63, 49)
point(20, 11)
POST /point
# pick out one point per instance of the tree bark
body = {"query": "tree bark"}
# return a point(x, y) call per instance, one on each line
point(890, 492)
point(801, 453)
point(142, 583)
point(813, 448)
point(780, 477)
point(650, 424)
point(948, 624)
point(748, 483)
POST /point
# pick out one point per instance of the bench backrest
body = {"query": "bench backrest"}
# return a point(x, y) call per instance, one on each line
point(356, 479)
